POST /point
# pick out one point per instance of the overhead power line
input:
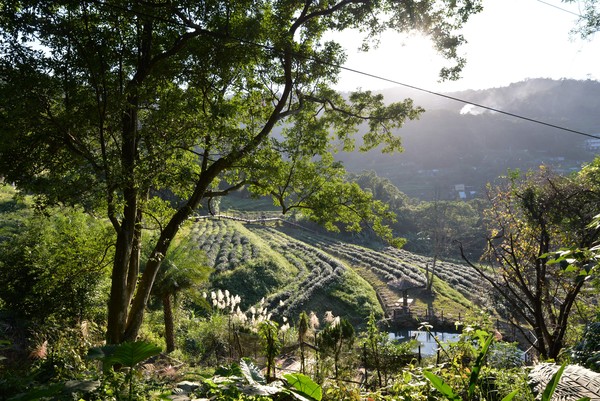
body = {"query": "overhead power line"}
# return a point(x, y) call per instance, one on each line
point(508, 113)
point(560, 8)
point(324, 62)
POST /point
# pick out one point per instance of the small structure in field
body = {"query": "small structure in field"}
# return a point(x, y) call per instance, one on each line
point(404, 284)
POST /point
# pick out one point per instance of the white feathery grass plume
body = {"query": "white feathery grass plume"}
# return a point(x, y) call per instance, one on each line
point(329, 317)
point(313, 321)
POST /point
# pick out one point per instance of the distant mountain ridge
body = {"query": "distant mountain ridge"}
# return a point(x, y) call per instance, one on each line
point(540, 97)
point(457, 144)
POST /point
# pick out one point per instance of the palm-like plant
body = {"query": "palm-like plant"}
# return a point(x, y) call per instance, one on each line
point(184, 269)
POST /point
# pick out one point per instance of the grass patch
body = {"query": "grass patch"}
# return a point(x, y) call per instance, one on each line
point(358, 295)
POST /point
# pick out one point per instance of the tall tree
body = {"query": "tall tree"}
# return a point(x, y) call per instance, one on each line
point(530, 219)
point(107, 103)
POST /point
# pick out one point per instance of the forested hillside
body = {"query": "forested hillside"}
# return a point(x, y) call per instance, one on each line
point(454, 143)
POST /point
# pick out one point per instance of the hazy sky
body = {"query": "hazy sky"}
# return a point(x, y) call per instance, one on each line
point(509, 41)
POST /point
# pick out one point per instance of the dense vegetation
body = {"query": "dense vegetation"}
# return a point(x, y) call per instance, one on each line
point(122, 121)
point(284, 293)
point(142, 112)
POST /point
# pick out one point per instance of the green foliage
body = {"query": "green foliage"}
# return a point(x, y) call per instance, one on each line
point(531, 219)
point(253, 280)
point(474, 345)
point(56, 355)
point(245, 382)
point(356, 295)
point(430, 227)
point(15, 210)
point(441, 386)
point(589, 19)
point(335, 338)
point(58, 261)
point(503, 355)
point(125, 355)
point(205, 340)
point(117, 108)
point(184, 270)
point(304, 386)
point(269, 335)
point(587, 351)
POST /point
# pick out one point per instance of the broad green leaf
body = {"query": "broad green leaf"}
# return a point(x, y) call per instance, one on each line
point(130, 354)
point(251, 372)
point(510, 396)
point(478, 364)
point(552, 384)
point(39, 393)
point(229, 371)
point(441, 386)
point(304, 385)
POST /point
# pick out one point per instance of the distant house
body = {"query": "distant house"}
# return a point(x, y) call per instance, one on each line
point(592, 144)
point(461, 191)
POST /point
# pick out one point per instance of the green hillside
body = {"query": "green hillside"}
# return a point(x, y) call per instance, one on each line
point(296, 269)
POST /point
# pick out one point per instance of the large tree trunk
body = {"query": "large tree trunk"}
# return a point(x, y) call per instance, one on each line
point(124, 274)
point(123, 278)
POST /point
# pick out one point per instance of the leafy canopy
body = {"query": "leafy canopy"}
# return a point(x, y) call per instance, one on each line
point(111, 104)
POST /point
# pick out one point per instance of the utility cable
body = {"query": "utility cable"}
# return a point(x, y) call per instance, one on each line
point(508, 113)
point(560, 8)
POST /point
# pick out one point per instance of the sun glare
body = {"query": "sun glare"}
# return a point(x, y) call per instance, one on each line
point(401, 58)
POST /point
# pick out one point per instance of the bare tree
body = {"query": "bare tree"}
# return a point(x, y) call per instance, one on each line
point(529, 220)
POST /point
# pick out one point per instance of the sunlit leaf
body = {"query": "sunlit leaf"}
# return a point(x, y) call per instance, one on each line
point(304, 385)
point(552, 384)
point(251, 372)
point(441, 386)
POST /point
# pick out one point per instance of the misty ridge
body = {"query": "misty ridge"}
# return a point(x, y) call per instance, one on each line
point(455, 148)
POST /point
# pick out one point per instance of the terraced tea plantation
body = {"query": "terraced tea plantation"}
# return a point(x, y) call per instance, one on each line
point(295, 269)
point(257, 262)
